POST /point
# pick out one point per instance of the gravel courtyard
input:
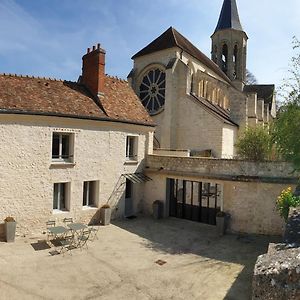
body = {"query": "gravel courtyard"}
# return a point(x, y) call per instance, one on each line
point(122, 264)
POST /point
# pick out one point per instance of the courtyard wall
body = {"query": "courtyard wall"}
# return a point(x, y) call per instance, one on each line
point(249, 189)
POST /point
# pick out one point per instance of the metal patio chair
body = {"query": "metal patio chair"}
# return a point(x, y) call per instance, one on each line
point(49, 224)
point(68, 220)
point(67, 243)
point(83, 238)
point(94, 229)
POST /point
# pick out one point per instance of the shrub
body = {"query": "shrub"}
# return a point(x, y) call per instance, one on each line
point(105, 205)
point(9, 219)
point(255, 144)
point(285, 201)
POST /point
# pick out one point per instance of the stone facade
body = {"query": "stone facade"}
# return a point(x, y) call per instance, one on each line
point(249, 190)
point(27, 172)
point(183, 123)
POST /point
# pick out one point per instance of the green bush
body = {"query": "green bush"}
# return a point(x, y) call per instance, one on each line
point(255, 144)
point(285, 201)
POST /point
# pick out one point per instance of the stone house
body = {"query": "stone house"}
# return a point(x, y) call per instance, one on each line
point(68, 147)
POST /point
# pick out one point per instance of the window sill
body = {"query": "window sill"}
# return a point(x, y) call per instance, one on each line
point(58, 212)
point(130, 162)
point(62, 164)
point(89, 207)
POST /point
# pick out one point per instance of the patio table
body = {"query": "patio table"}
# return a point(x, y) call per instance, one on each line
point(57, 230)
point(58, 233)
point(77, 226)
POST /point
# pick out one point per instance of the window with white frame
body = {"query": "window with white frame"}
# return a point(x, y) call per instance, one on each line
point(89, 193)
point(60, 196)
point(62, 144)
point(131, 147)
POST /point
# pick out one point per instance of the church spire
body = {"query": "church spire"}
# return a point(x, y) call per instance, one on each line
point(229, 44)
point(229, 17)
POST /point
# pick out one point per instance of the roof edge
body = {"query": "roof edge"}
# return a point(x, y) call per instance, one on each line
point(48, 114)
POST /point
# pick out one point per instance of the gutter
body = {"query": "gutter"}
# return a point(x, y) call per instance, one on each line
point(60, 115)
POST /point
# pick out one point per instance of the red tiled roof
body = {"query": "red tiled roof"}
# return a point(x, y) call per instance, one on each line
point(22, 94)
point(120, 102)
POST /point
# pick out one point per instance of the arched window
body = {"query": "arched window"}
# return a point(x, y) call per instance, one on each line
point(190, 80)
point(235, 61)
point(152, 90)
point(214, 95)
point(192, 83)
point(225, 58)
point(215, 54)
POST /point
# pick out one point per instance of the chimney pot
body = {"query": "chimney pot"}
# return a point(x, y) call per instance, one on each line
point(94, 48)
point(88, 50)
point(98, 46)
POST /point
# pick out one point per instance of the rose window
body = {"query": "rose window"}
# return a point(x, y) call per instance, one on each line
point(152, 90)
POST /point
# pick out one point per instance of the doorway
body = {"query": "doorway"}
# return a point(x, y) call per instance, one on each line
point(193, 200)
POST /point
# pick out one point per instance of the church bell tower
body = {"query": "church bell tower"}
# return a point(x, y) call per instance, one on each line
point(229, 44)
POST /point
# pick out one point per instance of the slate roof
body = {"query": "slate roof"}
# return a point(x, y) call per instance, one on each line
point(172, 38)
point(229, 17)
point(264, 91)
point(218, 111)
point(42, 96)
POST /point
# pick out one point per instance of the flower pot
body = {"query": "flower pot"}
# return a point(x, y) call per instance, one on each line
point(105, 215)
point(10, 231)
point(220, 225)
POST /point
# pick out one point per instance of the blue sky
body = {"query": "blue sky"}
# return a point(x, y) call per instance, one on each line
point(48, 38)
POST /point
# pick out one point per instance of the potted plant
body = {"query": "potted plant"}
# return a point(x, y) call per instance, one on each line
point(10, 229)
point(220, 220)
point(105, 214)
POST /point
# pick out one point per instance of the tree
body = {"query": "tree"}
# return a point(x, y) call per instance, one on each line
point(250, 78)
point(286, 128)
point(255, 144)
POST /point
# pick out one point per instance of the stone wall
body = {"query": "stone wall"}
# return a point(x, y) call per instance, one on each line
point(277, 273)
point(249, 189)
point(27, 172)
point(224, 169)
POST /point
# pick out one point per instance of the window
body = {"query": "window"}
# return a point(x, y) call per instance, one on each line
point(225, 58)
point(131, 145)
point(60, 196)
point(235, 63)
point(89, 193)
point(152, 90)
point(61, 146)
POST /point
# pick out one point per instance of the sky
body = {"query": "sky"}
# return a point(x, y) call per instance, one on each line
point(49, 37)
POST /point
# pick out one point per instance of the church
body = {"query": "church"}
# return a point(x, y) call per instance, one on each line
point(201, 104)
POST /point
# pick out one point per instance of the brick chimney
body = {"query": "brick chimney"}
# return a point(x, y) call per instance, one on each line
point(93, 70)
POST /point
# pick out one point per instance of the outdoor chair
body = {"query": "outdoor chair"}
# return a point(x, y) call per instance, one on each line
point(94, 232)
point(67, 243)
point(68, 220)
point(49, 224)
point(83, 238)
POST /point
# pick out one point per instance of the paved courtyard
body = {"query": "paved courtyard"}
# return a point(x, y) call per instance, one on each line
point(121, 264)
